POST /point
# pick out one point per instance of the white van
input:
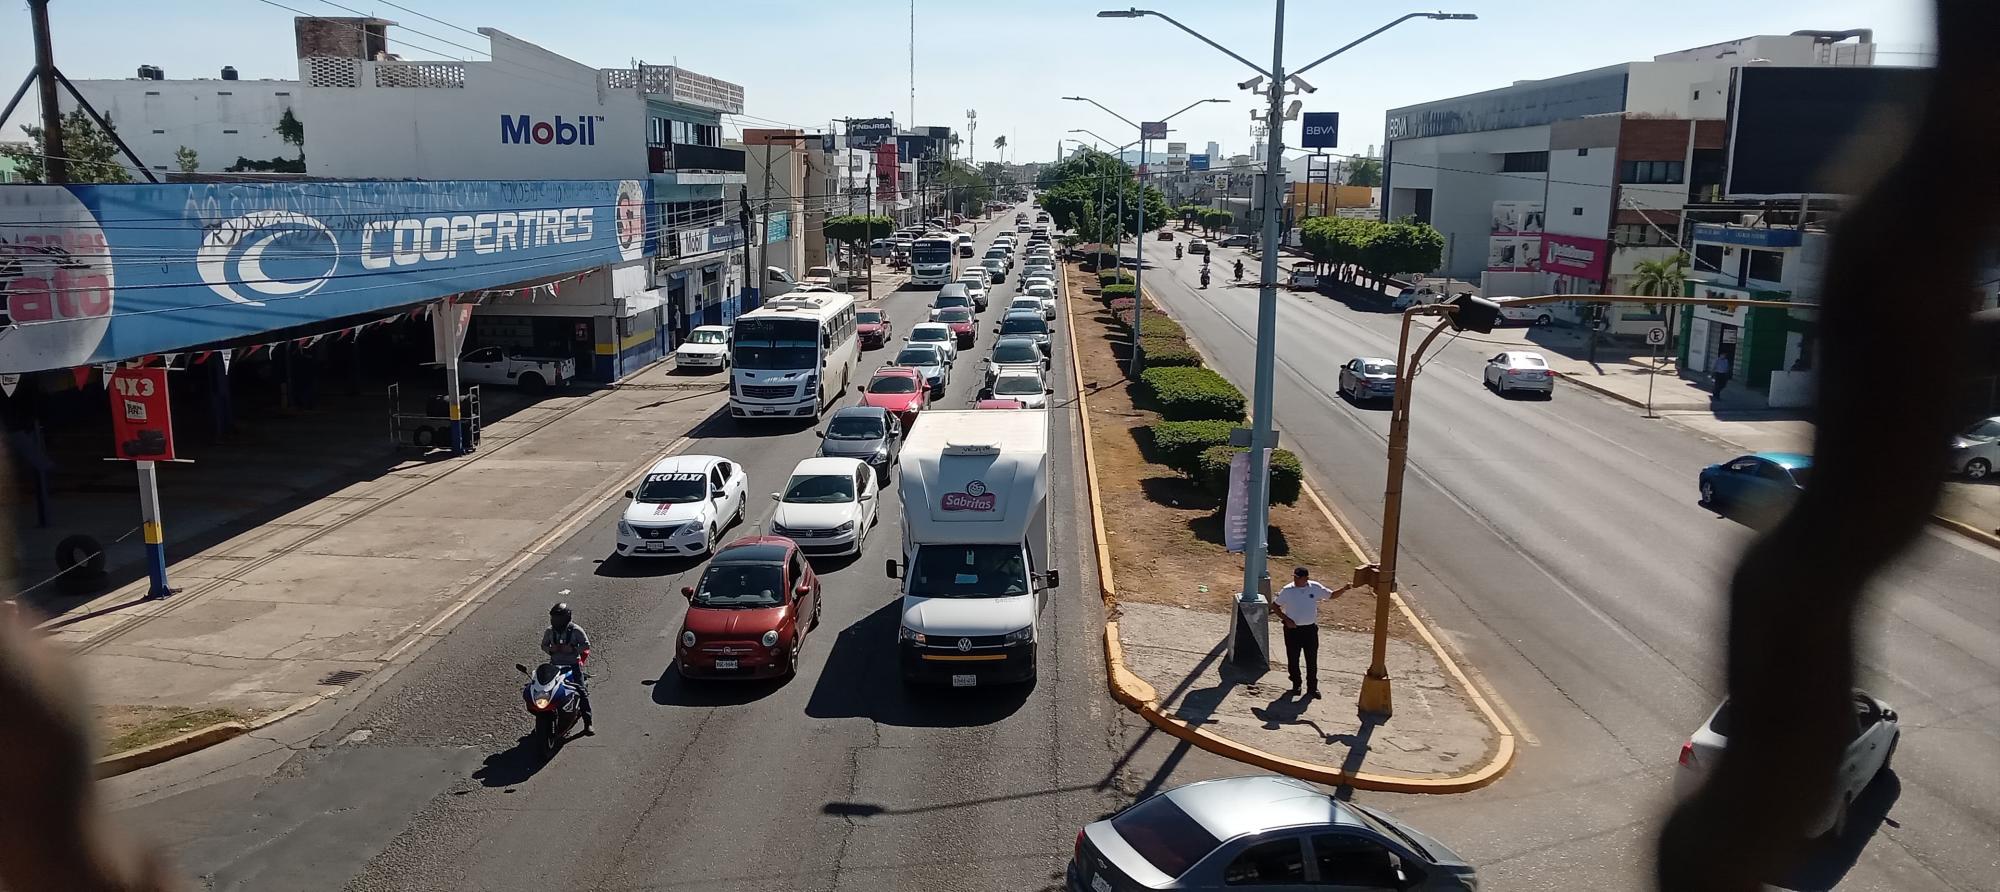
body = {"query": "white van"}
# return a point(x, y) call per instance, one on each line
point(976, 559)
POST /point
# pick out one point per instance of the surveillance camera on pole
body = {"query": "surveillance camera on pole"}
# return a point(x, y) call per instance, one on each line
point(1251, 84)
point(1300, 84)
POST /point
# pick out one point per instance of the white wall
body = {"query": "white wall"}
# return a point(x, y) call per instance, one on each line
point(1668, 89)
point(1581, 182)
point(443, 132)
point(157, 117)
point(1463, 172)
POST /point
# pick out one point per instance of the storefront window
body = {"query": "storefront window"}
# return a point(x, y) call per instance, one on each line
point(1768, 266)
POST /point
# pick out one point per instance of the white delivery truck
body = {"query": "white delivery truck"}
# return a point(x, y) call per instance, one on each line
point(976, 567)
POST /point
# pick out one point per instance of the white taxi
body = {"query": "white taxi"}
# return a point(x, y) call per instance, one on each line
point(707, 347)
point(682, 506)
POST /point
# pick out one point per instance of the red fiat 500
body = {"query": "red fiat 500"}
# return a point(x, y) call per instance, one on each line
point(750, 615)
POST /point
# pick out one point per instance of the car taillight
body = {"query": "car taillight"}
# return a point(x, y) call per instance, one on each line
point(1513, 373)
point(1077, 854)
point(1687, 755)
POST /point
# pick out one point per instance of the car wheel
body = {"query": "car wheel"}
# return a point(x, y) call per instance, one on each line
point(1543, 320)
point(714, 536)
point(1708, 493)
point(1839, 828)
point(1977, 469)
point(737, 518)
point(532, 383)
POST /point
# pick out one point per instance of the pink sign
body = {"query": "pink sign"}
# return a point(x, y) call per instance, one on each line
point(1571, 255)
point(974, 498)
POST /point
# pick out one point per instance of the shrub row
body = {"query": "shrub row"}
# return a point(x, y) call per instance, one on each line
point(1190, 393)
point(1163, 352)
point(1286, 475)
point(1157, 325)
point(1116, 277)
point(1122, 306)
point(1179, 444)
point(1114, 292)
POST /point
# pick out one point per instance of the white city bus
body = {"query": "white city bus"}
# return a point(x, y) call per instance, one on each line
point(930, 260)
point(793, 356)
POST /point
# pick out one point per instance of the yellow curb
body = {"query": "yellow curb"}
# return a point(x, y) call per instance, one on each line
point(1957, 526)
point(1139, 695)
point(153, 754)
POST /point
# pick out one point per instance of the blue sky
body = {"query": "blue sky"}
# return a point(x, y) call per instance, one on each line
point(803, 62)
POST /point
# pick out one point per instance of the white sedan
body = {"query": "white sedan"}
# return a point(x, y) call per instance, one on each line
point(707, 347)
point(975, 286)
point(1872, 741)
point(935, 333)
point(828, 506)
point(1520, 370)
point(976, 269)
point(1046, 295)
point(1024, 385)
point(682, 506)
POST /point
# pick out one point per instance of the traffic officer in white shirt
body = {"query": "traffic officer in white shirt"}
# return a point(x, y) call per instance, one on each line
point(1298, 609)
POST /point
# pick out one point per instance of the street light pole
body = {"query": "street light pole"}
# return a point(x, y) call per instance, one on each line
point(1252, 628)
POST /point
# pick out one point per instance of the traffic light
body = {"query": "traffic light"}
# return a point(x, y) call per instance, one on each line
point(1470, 312)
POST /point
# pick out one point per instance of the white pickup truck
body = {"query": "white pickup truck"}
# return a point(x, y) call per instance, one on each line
point(495, 365)
point(826, 276)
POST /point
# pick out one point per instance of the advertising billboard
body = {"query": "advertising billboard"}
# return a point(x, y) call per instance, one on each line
point(1574, 255)
point(1198, 162)
point(98, 273)
point(1799, 132)
point(1152, 130)
point(1321, 130)
point(1517, 217)
point(142, 425)
point(1176, 148)
point(867, 133)
point(1513, 253)
point(886, 167)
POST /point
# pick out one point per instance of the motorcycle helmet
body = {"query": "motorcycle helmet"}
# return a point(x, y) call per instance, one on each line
point(559, 615)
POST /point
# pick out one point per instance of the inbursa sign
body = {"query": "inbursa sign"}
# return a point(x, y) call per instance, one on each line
point(522, 129)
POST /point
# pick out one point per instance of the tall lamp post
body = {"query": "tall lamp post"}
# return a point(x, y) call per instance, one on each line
point(1249, 641)
point(1149, 130)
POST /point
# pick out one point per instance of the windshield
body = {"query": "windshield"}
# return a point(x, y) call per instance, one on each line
point(1168, 838)
point(1016, 385)
point(1800, 475)
point(932, 251)
point(1016, 351)
point(1022, 325)
point(1025, 304)
point(820, 489)
point(777, 344)
point(674, 488)
point(951, 300)
point(930, 334)
point(741, 585)
point(864, 427)
point(868, 317)
point(913, 357)
point(750, 356)
point(954, 315)
point(969, 571)
point(1529, 362)
point(898, 383)
point(1988, 428)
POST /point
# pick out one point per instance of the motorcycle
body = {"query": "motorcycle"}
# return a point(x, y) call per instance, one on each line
point(1177, 252)
point(1204, 277)
point(551, 698)
point(1239, 270)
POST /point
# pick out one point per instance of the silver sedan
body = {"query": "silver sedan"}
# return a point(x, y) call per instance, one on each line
point(1520, 370)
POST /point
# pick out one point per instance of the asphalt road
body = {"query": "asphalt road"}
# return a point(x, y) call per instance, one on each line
point(841, 779)
point(1558, 544)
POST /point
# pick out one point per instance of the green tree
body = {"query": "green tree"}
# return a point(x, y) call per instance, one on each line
point(1365, 172)
point(857, 229)
point(1000, 145)
point(1660, 278)
point(1405, 246)
point(93, 156)
point(964, 189)
point(1212, 219)
point(293, 132)
point(187, 160)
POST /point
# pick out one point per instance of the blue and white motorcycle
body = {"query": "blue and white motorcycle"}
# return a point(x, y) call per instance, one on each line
point(552, 698)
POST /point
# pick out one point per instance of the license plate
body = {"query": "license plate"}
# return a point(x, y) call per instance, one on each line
point(725, 664)
point(964, 681)
point(653, 546)
point(1099, 883)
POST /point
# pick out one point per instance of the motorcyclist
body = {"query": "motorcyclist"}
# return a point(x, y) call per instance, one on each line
point(569, 646)
point(1204, 276)
point(1177, 252)
point(1239, 269)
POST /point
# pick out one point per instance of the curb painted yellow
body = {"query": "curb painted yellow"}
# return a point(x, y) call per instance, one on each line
point(1139, 695)
point(1960, 527)
point(153, 754)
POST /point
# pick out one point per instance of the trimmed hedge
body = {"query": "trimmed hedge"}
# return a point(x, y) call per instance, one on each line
point(1164, 352)
point(1158, 325)
point(1122, 306)
point(1179, 444)
point(1116, 277)
point(1191, 393)
point(1113, 292)
point(1287, 477)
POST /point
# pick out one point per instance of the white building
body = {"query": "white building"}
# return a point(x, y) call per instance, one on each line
point(221, 119)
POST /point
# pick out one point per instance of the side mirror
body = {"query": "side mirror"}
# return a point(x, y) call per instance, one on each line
point(1055, 578)
point(820, 434)
point(687, 591)
point(860, 388)
point(628, 494)
point(775, 497)
point(889, 567)
point(803, 589)
point(523, 669)
point(1048, 390)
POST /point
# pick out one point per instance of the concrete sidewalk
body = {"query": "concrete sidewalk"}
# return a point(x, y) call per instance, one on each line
point(1435, 734)
point(354, 578)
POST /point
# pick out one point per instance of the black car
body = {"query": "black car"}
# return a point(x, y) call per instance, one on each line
point(1023, 322)
point(868, 433)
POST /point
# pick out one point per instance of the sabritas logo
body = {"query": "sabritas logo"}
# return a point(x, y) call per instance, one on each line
point(974, 498)
point(519, 129)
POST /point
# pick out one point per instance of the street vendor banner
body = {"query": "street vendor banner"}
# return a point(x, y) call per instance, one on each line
point(99, 273)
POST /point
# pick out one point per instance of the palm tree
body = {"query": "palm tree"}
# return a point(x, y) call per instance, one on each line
point(1660, 278)
point(1000, 145)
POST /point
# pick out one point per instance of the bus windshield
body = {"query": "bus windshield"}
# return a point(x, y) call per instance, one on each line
point(776, 344)
point(932, 251)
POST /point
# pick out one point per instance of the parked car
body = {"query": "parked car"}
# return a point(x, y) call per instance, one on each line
point(751, 612)
point(1303, 276)
point(828, 506)
point(1975, 452)
point(874, 328)
point(1032, 324)
point(935, 333)
point(899, 390)
point(1025, 385)
point(870, 434)
point(1761, 482)
point(1530, 314)
point(963, 326)
point(825, 277)
point(1259, 833)
point(1410, 297)
point(1870, 746)
point(1238, 240)
point(1368, 377)
point(1520, 370)
point(681, 507)
point(1013, 353)
point(931, 364)
point(879, 248)
point(1197, 246)
point(496, 365)
point(706, 347)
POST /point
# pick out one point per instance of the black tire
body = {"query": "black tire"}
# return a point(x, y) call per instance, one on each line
point(1708, 497)
point(1544, 320)
point(544, 739)
point(737, 518)
point(80, 560)
point(1978, 469)
point(532, 383)
point(424, 437)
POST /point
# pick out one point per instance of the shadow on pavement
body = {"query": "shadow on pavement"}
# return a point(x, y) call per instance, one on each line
point(723, 426)
point(674, 689)
point(516, 765)
point(863, 680)
point(615, 566)
point(1829, 860)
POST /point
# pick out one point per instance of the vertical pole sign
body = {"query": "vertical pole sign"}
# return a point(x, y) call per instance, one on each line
point(143, 433)
point(448, 325)
point(1322, 130)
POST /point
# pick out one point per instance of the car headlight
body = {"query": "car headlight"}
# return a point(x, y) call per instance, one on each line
point(1020, 635)
point(905, 633)
point(691, 526)
point(881, 452)
point(770, 638)
point(687, 638)
point(625, 529)
point(845, 527)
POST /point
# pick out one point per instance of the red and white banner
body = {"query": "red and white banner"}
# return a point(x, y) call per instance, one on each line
point(1575, 255)
point(142, 424)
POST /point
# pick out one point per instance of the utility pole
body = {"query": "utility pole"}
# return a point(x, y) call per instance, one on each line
point(55, 161)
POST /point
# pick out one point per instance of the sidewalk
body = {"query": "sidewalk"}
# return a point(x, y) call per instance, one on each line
point(354, 576)
point(1435, 733)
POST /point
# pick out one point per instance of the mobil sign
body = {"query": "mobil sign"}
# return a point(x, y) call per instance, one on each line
point(525, 130)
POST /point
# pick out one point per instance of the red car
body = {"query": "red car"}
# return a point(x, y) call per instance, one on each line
point(749, 616)
point(899, 389)
point(874, 328)
point(962, 324)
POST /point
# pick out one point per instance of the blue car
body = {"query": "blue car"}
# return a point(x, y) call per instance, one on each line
point(1759, 482)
